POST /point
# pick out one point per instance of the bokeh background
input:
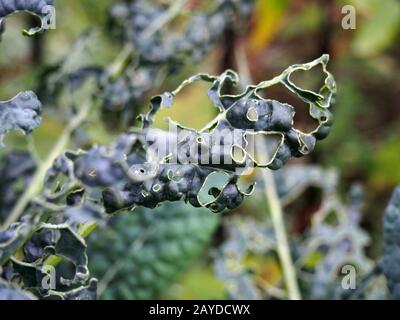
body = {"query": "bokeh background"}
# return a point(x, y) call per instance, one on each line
point(364, 145)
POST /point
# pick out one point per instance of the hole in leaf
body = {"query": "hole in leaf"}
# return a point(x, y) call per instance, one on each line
point(304, 149)
point(213, 207)
point(238, 154)
point(213, 185)
point(66, 269)
point(332, 218)
point(145, 193)
point(302, 119)
point(268, 143)
point(311, 80)
point(245, 184)
point(252, 114)
point(174, 176)
point(186, 103)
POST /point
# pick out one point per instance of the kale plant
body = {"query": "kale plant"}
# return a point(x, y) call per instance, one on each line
point(128, 195)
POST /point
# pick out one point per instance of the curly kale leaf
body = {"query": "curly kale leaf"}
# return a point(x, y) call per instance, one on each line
point(292, 181)
point(54, 263)
point(8, 292)
point(391, 257)
point(88, 292)
point(21, 112)
point(12, 239)
point(319, 257)
point(245, 237)
point(334, 240)
point(251, 114)
point(337, 246)
point(38, 8)
point(160, 51)
point(151, 166)
point(136, 21)
point(57, 245)
point(59, 240)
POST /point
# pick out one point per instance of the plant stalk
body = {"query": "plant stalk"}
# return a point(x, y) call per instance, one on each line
point(275, 209)
point(165, 18)
point(271, 194)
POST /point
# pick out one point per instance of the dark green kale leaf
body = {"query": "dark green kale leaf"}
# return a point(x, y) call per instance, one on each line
point(245, 238)
point(136, 21)
point(8, 292)
point(12, 239)
point(88, 292)
point(150, 249)
point(35, 7)
point(151, 166)
point(391, 257)
point(21, 112)
point(55, 254)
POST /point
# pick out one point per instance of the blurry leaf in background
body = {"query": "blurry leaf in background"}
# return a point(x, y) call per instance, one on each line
point(73, 18)
point(265, 269)
point(351, 151)
point(20, 44)
point(198, 283)
point(47, 134)
point(379, 28)
point(151, 247)
point(186, 109)
point(44, 137)
point(267, 22)
point(15, 75)
point(305, 21)
point(385, 168)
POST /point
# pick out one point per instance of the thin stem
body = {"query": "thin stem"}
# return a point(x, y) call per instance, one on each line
point(165, 18)
point(32, 149)
point(275, 209)
point(273, 201)
point(120, 63)
point(272, 290)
